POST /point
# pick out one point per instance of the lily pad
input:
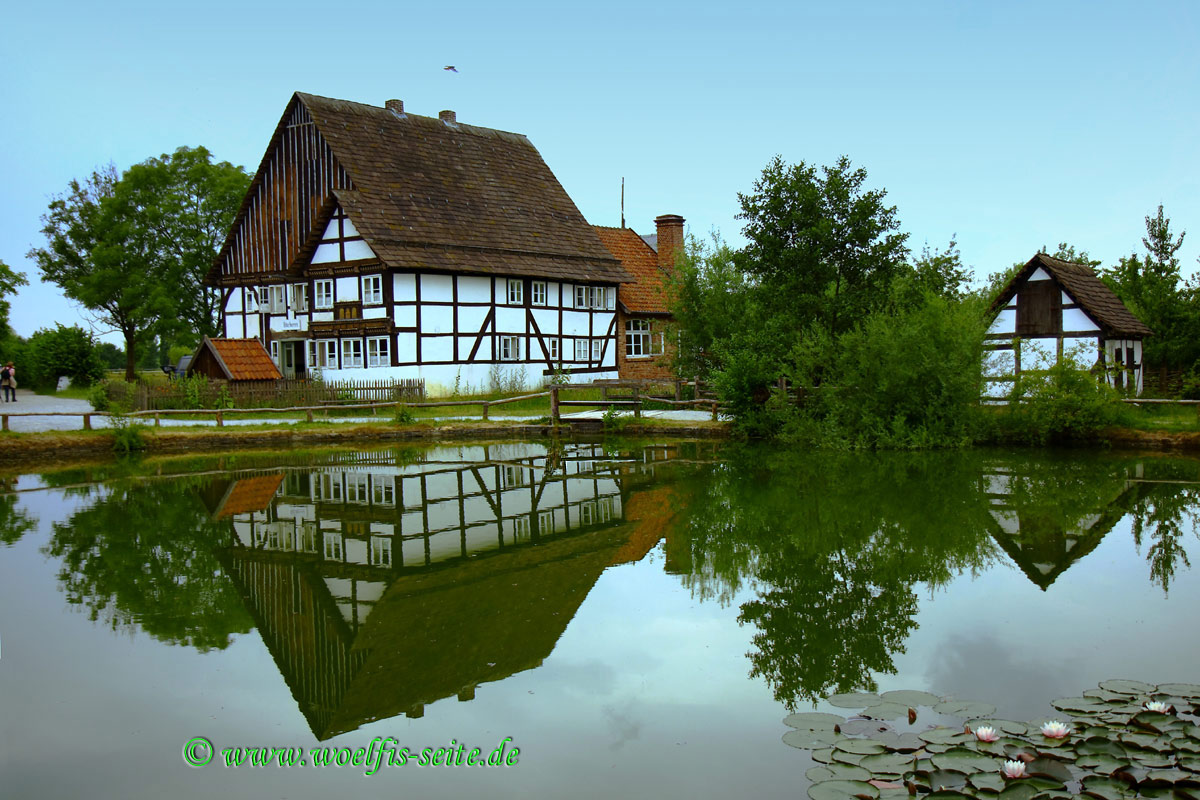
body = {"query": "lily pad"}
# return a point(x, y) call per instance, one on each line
point(862, 747)
point(911, 697)
point(1124, 686)
point(901, 743)
point(1003, 725)
point(1018, 790)
point(964, 708)
point(1101, 764)
point(835, 771)
point(1081, 705)
point(847, 758)
point(1188, 690)
point(865, 727)
point(1049, 769)
point(822, 756)
point(810, 740)
point(887, 763)
point(941, 780)
point(946, 795)
point(813, 721)
point(853, 699)
point(1106, 696)
point(842, 790)
point(988, 781)
point(1106, 789)
point(944, 736)
point(966, 761)
point(1170, 776)
point(886, 710)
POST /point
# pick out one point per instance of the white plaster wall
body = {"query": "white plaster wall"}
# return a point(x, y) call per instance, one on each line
point(357, 250)
point(510, 320)
point(322, 316)
point(252, 327)
point(403, 287)
point(406, 347)
point(233, 327)
point(1073, 319)
point(331, 230)
point(1005, 322)
point(234, 303)
point(405, 316)
point(326, 253)
point(1067, 300)
point(345, 290)
point(471, 318)
point(575, 322)
point(374, 312)
point(436, 319)
point(436, 288)
point(1039, 274)
point(547, 321)
point(474, 289)
point(465, 343)
point(436, 348)
point(601, 323)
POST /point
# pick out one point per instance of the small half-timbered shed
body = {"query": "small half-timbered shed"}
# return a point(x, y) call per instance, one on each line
point(237, 360)
point(642, 313)
point(378, 244)
point(1053, 307)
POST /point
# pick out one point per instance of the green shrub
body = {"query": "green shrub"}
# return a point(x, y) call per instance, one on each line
point(62, 350)
point(403, 416)
point(97, 395)
point(128, 434)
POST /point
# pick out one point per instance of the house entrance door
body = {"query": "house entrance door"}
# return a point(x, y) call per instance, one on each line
point(293, 359)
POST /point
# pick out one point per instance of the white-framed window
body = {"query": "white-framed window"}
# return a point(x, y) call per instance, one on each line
point(581, 349)
point(520, 529)
point(352, 353)
point(308, 537)
point(323, 293)
point(322, 354)
point(372, 290)
point(513, 476)
point(539, 293)
point(300, 297)
point(594, 297)
point(516, 288)
point(381, 551)
point(587, 512)
point(275, 352)
point(251, 300)
point(640, 341)
point(357, 488)
point(275, 303)
point(545, 522)
point(552, 346)
point(581, 297)
point(333, 545)
point(328, 486)
point(383, 490)
point(510, 348)
point(597, 349)
point(377, 352)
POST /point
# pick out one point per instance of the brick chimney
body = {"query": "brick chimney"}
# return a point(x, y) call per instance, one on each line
point(670, 239)
point(394, 106)
point(447, 117)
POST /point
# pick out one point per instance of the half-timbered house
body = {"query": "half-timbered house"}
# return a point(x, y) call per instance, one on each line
point(1053, 307)
point(374, 243)
point(642, 314)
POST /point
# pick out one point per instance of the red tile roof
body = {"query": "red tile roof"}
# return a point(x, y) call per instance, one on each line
point(242, 359)
point(647, 295)
point(249, 494)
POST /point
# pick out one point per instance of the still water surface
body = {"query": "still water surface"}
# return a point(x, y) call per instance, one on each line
point(637, 617)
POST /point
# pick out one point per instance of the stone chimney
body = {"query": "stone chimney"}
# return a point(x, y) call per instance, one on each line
point(447, 117)
point(670, 239)
point(395, 106)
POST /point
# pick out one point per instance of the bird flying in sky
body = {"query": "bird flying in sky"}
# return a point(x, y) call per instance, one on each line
point(450, 69)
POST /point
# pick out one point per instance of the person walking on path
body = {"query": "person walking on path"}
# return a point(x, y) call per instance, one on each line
point(8, 381)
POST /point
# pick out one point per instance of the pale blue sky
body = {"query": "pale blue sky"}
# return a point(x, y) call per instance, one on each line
point(1014, 125)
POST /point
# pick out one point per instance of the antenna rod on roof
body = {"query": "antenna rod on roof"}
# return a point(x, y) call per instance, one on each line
point(622, 201)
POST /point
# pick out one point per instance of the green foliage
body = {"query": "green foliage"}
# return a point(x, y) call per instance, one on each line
point(404, 416)
point(52, 352)
point(128, 434)
point(942, 271)
point(111, 356)
point(613, 421)
point(98, 396)
point(10, 279)
point(194, 388)
point(904, 379)
point(1063, 403)
point(224, 399)
point(822, 248)
point(134, 249)
point(178, 351)
point(708, 297)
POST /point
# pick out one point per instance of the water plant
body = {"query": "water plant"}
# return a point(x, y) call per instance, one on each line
point(1126, 739)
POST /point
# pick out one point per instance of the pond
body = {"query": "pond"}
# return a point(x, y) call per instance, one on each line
point(622, 618)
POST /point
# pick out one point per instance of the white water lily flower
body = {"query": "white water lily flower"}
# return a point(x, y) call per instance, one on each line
point(1013, 769)
point(986, 733)
point(1157, 705)
point(1055, 730)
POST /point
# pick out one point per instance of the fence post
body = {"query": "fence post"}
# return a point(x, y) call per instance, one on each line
point(308, 415)
point(714, 410)
point(158, 420)
point(678, 390)
point(553, 407)
point(220, 419)
point(87, 422)
point(485, 412)
point(637, 410)
point(5, 419)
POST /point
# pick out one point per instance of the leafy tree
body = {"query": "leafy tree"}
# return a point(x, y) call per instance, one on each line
point(823, 248)
point(110, 355)
point(10, 279)
point(942, 271)
point(133, 249)
point(60, 350)
point(708, 297)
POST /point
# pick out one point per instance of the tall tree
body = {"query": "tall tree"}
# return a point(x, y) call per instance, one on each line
point(824, 247)
point(133, 249)
point(10, 279)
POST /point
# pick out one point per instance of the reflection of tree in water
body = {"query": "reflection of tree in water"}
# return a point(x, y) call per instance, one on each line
point(833, 545)
point(1164, 502)
point(143, 556)
point(13, 523)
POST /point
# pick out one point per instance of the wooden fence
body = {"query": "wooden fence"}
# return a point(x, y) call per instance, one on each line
point(285, 394)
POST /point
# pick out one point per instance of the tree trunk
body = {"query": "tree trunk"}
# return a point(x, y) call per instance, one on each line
point(130, 358)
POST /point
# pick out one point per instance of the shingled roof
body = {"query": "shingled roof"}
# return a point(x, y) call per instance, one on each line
point(1093, 296)
point(647, 294)
point(235, 359)
point(432, 193)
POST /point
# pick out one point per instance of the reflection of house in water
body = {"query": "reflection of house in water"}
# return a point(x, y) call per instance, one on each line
point(381, 588)
point(1048, 522)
